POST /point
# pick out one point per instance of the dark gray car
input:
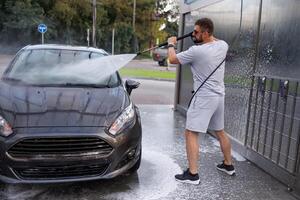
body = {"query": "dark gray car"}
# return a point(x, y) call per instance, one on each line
point(56, 129)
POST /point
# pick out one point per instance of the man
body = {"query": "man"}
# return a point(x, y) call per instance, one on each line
point(207, 108)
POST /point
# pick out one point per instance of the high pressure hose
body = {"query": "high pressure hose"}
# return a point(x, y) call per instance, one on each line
point(165, 43)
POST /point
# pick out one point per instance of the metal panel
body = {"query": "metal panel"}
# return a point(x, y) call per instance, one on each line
point(279, 41)
point(274, 123)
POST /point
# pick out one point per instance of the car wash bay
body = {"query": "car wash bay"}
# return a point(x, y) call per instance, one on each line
point(163, 156)
point(261, 77)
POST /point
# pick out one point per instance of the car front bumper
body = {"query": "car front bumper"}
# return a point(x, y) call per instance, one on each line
point(16, 167)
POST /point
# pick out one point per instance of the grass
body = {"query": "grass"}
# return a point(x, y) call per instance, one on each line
point(146, 73)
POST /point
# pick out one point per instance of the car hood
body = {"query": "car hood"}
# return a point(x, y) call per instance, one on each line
point(28, 106)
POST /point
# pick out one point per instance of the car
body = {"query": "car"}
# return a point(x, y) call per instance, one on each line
point(161, 56)
point(60, 129)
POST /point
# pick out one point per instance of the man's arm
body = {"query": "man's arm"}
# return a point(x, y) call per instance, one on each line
point(171, 51)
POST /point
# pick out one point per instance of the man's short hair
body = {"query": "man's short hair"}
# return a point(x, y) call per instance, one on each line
point(205, 24)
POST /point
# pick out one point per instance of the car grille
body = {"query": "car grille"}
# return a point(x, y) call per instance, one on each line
point(43, 147)
point(56, 172)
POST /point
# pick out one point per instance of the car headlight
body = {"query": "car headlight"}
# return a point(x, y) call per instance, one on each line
point(123, 121)
point(5, 128)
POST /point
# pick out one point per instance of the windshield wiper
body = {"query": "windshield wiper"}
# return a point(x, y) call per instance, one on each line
point(11, 79)
point(91, 85)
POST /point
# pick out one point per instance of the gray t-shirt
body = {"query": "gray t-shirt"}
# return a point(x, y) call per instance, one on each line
point(204, 59)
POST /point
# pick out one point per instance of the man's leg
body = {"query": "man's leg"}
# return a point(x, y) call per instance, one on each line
point(226, 166)
point(192, 150)
point(225, 146)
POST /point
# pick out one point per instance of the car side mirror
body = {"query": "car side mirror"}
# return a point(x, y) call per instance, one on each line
point(130, 85)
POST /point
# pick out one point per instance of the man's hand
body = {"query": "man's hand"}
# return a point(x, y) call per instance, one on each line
point(172, 40)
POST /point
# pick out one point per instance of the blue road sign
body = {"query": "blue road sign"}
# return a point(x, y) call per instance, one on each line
point(189, 1)
point(42, 28)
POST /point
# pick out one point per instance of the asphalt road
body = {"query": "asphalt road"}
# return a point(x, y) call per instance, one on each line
point(149, 64)
point(154, 92)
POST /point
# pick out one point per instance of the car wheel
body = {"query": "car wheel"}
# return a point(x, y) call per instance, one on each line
point(136, 166)
point(161, 63)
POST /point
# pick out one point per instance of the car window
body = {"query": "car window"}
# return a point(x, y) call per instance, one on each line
point(96, 55)
point(36, 67)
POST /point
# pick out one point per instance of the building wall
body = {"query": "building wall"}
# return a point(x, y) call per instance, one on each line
point(279, 51)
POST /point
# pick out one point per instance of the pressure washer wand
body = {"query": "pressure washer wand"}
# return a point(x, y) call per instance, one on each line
point(165, 43)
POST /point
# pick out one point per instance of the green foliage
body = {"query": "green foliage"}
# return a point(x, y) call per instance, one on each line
point(21, 19)
point(147, 73)
point(171, 28)
point(68, 21)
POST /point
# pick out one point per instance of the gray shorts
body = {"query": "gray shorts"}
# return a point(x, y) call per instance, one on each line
point(205, 112)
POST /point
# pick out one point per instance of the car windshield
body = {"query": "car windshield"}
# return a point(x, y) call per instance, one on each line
point(58, 67)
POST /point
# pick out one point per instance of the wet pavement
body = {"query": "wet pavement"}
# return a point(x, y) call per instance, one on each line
point(163, 156)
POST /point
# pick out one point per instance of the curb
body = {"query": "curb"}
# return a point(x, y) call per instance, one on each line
point(145, 78)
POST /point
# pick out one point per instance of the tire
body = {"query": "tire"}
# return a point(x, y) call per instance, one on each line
point(137, 165)
point(161, 63)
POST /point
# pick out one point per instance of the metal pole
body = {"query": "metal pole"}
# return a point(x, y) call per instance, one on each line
point(42, 38)
point(113, 42)
point(94, 22)
point(134, 14)
point(253, 70)
point(133, 25)
point(88, 37)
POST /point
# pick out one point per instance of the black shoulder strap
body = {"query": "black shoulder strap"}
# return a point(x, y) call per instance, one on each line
point(205, 81)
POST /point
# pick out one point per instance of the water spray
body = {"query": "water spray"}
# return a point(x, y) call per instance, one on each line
point(98, 69)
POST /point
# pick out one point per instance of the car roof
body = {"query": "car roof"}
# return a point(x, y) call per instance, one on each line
point(64, 47)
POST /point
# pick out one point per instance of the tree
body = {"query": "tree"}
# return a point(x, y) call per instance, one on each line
point(170, 17)
point(68, 20)
point(22, 20)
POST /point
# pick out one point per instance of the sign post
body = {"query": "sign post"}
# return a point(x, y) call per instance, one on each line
point(42, 28)
point(88, 37)
point(113, 42)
